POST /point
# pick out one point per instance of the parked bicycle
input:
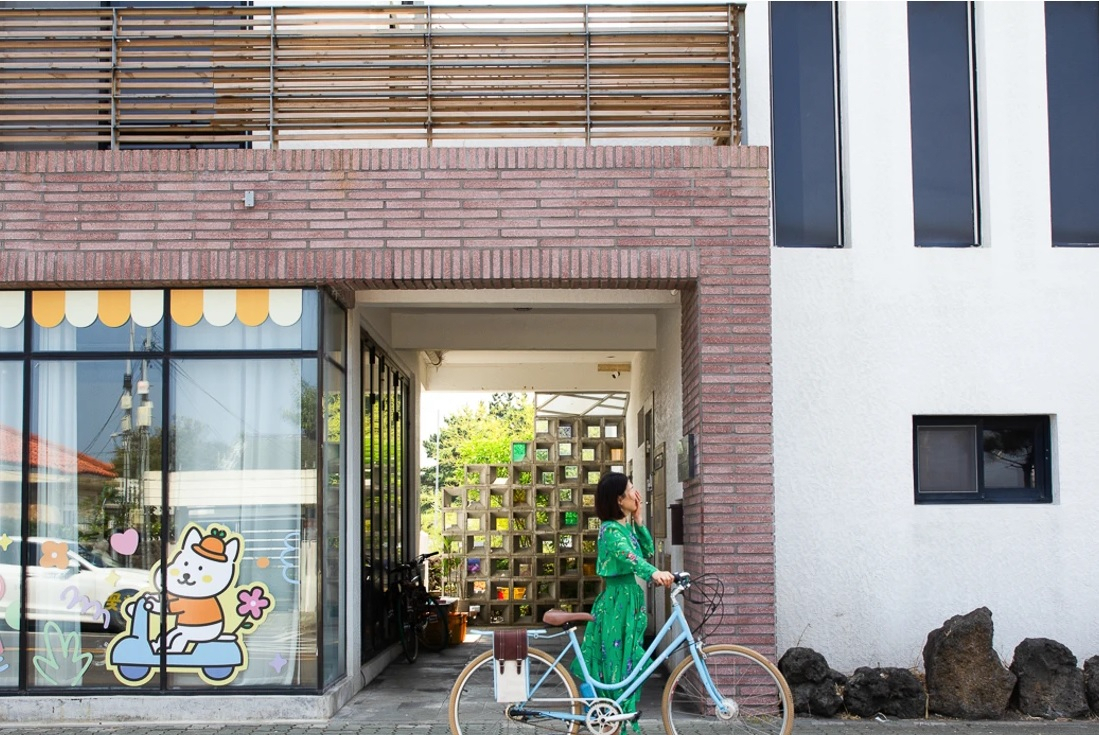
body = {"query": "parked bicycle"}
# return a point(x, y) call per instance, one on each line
point(419, 617)
point(720, 685)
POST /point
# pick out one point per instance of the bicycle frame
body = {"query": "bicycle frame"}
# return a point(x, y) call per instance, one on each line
point(637, 677)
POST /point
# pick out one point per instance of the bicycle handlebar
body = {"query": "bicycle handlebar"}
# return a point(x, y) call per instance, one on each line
point(413, 565)
point(681, 581)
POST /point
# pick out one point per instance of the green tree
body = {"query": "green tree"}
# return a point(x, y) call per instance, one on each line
point(480, 434)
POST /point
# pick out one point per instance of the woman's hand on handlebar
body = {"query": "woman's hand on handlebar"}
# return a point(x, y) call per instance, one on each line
point(664, 579)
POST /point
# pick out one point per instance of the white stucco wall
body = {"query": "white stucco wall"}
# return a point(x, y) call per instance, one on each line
point(868, 336)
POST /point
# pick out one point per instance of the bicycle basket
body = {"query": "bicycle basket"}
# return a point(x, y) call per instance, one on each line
point(703, 604)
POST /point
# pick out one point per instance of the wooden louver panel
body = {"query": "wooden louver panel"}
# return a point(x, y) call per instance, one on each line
point(186, 77)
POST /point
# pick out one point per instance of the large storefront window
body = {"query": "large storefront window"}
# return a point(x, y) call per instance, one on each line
point(160, 513)
point(11, 508)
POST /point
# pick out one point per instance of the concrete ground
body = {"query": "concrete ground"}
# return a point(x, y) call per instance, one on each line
point(411, 699)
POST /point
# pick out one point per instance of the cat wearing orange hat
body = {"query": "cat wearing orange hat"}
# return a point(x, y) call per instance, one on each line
point(202, 569)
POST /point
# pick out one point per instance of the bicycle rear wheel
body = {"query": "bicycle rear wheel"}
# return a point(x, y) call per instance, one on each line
point(431, 623)
point(757, 697)
point(473, 708)
point(406, 628)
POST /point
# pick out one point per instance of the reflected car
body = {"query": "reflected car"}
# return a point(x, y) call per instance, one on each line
point(83, 586)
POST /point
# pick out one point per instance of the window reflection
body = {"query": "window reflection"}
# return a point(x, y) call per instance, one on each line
point(244, 458)
point(93, 537)
point(1009, 458)
point(115, 522)
point(11, 515)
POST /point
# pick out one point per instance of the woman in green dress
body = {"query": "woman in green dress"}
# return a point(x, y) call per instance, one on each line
point(613, 643)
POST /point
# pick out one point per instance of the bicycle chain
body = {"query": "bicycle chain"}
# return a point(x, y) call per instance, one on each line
point(606, 704)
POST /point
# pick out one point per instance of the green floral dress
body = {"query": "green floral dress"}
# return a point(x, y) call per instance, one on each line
point(613, 643)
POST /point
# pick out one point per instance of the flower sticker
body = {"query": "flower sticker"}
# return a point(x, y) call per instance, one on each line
point(54, 554)
point(252, 604)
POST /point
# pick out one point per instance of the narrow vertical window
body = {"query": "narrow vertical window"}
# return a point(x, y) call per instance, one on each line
point(1072, 83)
point(804, 123)
point(941, 85)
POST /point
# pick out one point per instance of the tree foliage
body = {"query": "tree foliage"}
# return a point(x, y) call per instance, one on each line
point(480, 434)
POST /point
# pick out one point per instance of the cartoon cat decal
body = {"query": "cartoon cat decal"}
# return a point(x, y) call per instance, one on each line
point(196, 602)
point(202, 569)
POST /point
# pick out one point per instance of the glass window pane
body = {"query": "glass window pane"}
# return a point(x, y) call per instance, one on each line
point(11, 515)
point(242, 490)
point(12, 311)
point(1009, 458)
point(374, 549)
point(947, 462)
point(1072, 78)
point(259, 319)
point(335, 333)
point(803, 119)
point(98, 321)
point(95, 449)
point(333, 575)
point(940, 75)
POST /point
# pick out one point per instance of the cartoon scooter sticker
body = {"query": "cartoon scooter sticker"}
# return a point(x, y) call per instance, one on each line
point(201, 575)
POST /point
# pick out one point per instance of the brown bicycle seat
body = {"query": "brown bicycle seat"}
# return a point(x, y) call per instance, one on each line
point(560, 618)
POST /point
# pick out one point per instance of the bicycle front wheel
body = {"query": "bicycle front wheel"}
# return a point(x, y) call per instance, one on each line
point(406, 628)
point(473, 708)
point(755, 695)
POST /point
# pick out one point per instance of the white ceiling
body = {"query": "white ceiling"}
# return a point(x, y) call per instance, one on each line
point(520, 339)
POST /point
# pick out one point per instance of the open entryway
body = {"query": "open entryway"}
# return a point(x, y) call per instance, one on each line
point(601, 372)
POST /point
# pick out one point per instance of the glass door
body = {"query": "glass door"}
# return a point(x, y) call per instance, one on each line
point(387, 524)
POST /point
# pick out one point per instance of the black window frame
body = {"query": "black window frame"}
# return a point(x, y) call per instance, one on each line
point(1040, 428)
point(1072, 106)
point(804, 228)
point(939, 166)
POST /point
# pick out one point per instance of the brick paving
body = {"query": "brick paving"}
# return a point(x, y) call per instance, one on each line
point(411, 699)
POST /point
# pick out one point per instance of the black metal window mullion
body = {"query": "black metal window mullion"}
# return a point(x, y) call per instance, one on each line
point(322, 479)
point(25, 483)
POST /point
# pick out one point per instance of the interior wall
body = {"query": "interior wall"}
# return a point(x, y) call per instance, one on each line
point(659, 374)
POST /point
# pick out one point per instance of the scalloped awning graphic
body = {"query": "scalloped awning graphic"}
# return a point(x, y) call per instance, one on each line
point(219, 307)
point(252, 306)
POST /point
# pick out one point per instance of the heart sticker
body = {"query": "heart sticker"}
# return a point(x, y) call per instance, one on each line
point(125, 543)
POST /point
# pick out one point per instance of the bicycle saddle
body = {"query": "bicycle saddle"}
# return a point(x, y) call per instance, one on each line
point(560, 618)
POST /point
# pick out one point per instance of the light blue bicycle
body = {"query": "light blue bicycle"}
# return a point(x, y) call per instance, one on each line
point(730, 688)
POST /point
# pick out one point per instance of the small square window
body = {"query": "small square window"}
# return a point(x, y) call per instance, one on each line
point(982, 459)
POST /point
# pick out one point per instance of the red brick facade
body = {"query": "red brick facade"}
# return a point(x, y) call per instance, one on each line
point(692, 218)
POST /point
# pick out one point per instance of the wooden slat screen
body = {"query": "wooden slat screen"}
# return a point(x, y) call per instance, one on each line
point(152, 77)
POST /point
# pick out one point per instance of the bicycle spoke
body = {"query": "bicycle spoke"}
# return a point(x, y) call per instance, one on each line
point(755, 696)
point(474, 709)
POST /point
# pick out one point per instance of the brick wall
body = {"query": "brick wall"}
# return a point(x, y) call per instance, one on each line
point(693, 218)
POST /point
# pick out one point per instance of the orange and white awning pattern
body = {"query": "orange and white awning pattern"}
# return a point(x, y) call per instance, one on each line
point(252, 306)
point(82, 308)
point(11, 309)
point(219, 307)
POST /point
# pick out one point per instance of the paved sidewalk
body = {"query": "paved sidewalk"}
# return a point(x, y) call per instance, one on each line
point(411, 699)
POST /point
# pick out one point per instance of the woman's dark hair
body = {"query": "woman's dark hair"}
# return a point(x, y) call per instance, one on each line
point(610, 488)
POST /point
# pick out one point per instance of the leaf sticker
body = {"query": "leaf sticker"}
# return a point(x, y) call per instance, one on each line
point(63, 663)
